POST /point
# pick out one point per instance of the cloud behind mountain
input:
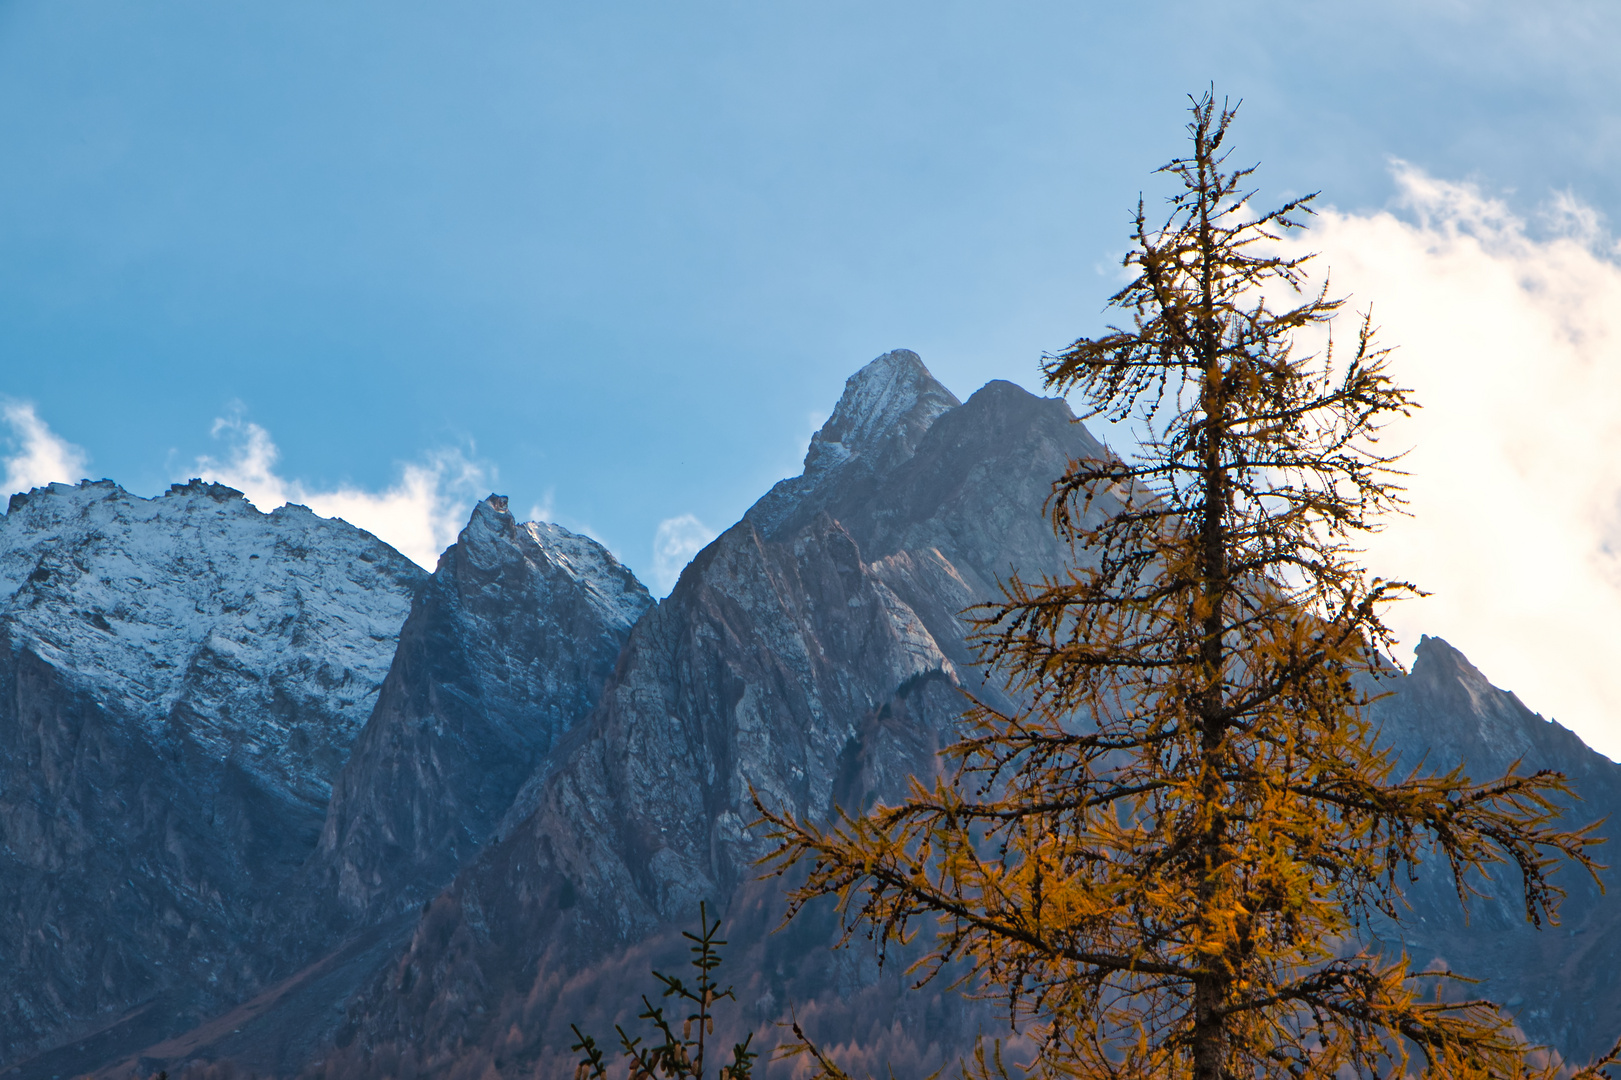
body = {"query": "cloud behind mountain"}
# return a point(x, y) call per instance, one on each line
point(1508, 329)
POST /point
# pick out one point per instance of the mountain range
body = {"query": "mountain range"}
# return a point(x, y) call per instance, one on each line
point(274, 800)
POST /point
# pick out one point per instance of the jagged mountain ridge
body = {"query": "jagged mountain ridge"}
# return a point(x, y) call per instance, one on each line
point(811, 653)
point(812, 650)
point(744, 677)
point(506, 648)
point(204, 774)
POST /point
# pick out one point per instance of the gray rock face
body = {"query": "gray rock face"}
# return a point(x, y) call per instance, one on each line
point(506, 648)
point(180, 679)
point(811, 653)
point(1563, 983)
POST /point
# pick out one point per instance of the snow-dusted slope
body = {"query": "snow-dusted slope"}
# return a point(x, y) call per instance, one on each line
point(180, 680)
point(613, 589)
point(266, 636)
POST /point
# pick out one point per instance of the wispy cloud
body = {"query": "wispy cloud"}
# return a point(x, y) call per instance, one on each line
point(420, 514)
point(546, 508)
point(675, 542)
point(41, 456)
point(1509, 333)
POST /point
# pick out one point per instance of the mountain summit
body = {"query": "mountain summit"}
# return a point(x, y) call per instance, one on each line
point(506, 648)
point(886, 409)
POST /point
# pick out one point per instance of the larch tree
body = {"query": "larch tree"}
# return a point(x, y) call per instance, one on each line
point(1166, 862)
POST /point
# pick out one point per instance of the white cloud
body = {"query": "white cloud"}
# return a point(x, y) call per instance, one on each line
point(675, 542)
point(42, 456)
point(1511, 341)
point(546, 509)
point(420, 514)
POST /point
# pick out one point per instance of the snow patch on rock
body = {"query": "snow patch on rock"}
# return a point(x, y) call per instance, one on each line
point(617, 592)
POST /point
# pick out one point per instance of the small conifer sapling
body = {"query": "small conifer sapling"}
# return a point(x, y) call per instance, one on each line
point(672, 1053)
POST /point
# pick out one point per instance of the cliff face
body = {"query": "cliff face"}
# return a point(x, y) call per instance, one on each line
point(506, 648)
point(180, 679)
point(811, 654)
point(1563, 983)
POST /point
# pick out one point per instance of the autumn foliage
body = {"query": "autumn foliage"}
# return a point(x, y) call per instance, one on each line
point(1166, 861)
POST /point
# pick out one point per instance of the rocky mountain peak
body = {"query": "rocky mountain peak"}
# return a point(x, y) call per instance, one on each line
point(493, 537)
point(885, 410)
point(507, 646)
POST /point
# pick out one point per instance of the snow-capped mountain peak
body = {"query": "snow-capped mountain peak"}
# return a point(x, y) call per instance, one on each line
point(157, 607)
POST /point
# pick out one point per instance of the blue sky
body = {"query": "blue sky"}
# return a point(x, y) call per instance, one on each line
point(615, 260)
